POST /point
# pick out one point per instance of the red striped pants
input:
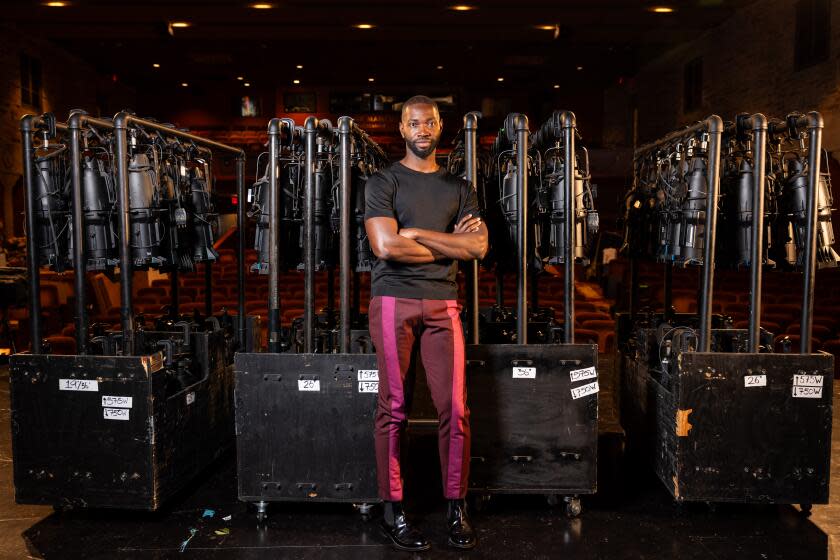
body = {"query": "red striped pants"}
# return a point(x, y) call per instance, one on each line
point(395, 326)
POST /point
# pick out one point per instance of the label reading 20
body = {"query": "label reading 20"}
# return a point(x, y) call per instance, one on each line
point(309, 384)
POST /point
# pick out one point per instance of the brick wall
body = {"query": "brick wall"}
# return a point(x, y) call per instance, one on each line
point(67, 83)
point(748, 65)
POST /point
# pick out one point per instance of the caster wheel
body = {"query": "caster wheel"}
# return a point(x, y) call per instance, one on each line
point(262, 513)
point(805, 509)
point(573, 507)
point(552, 500)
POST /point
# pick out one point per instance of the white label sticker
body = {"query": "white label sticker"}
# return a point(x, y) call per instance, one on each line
point(78, 385)
point(524, 373)
point(190, 397)
point(807, 392)
point(309, 384)
point(808, 380)
point(116, 401)
point(581, 374)
point(755, 381)
point(368, 386)
point(115, 413)
point(368, 375)
point(583, 390)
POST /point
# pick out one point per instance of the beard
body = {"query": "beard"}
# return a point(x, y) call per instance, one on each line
point(422, 153)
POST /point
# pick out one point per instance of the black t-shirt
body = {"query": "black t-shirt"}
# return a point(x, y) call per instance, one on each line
point(434, 201)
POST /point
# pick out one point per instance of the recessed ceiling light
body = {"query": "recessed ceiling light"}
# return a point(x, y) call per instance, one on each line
point(56, 4)
point(299, 66)
point(580, 67)
point(180, 24)
point(439, 67)
point(545, 27)
point(155, 65)
point(240, 78)
point(500, 79)
point(556, 86)
point(184, 84)
point(364, 26)
point(262, 6)
point(662, 10)
point(247, 84)
point(296, 82)
point(462, 8)
point(370, 79)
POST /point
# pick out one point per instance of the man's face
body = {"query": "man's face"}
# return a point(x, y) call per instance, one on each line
point(420, 128)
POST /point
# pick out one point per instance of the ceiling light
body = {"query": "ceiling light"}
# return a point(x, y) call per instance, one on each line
point(299, 66)
point(545, 27)
point(364, 26)
point(580, 68)
point(247, 84)
point(184, 84)
point(56, 4)
point(439, 67)
point(556, 86)
point(240, 78)
point(662, 10)
point(296, 82)
point(180, 24)
point(462, 8)
point(262, 6)
point(155, 65)
point(500, 79)
point(370, 79)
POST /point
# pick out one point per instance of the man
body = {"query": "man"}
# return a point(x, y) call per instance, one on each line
point(421, 221)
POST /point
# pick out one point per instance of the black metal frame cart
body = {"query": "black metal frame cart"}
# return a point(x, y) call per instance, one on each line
point(304, 417)
point(136, 414)
point(722, 417)
point(534, 407)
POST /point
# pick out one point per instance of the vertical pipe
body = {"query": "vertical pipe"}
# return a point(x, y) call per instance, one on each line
point(521, 126)
point(79, 262)
point(126, 314)
point(815, 129)
point(240, 261)
point(32, 256)
point(345, 125)
point(273, 238)
point(759, 126)
point(568, 124)
point(310, 130)
point(471, 157)
point(715, 127)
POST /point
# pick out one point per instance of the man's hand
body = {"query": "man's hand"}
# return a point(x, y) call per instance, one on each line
point(468, 224)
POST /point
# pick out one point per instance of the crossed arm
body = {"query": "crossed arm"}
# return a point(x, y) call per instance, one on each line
point(414, 245)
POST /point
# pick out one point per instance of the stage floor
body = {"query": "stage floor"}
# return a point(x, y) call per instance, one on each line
point(633, 516)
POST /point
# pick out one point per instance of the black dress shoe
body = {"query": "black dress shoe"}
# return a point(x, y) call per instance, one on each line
point(461, 534)
point(403, 536)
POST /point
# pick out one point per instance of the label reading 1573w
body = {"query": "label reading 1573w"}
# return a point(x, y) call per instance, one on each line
point(581, 374)
point(309, 384)
point(524, 373)
point(368, 375)
point(78, 385)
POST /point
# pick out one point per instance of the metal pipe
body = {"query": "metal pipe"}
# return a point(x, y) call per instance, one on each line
point(80, 264)
point(521, 126)
point(759, 127)
point(471, 175)
point(814, 122)
point(345, 125)
point(568, 124)
point(240, 261)
point(126, 311)
point(273, 238)
point(714, 126)
point(310, 131)
point(27, 125)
